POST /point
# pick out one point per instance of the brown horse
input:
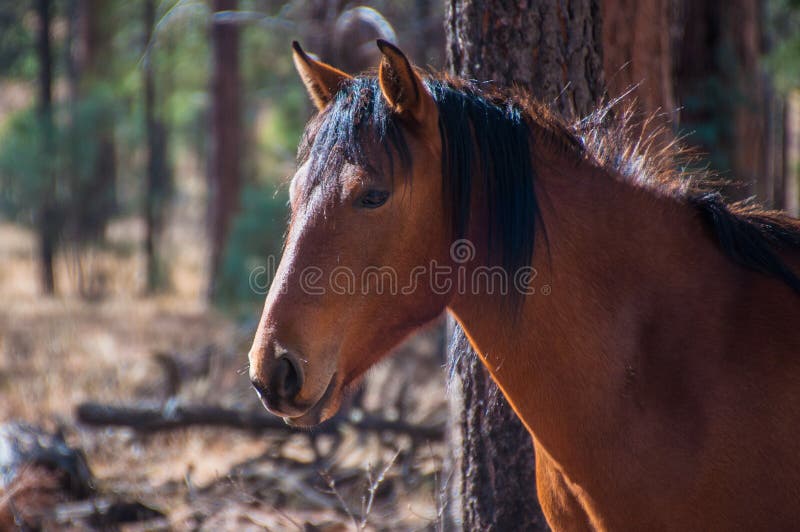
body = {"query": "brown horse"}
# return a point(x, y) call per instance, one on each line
point(654, 351)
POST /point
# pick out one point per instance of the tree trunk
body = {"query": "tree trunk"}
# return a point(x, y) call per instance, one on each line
point(791, 189)
point(47, 223)
point(152, 165)
point(553, 49)
point(226, 155)
point(638, 43)
point(92, 65)
point(540, 45)
point(752, 116)
point(722, 90)
point(157, 185)
point(91, 202)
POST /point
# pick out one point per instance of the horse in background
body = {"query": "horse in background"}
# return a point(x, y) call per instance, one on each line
point(644, 331)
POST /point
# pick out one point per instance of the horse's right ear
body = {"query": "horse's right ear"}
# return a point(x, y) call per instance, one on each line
point(322, 81)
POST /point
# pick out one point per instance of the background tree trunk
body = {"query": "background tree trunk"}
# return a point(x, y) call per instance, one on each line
point(752, 117)
point(152, 177)
point(791, 191)
point(226, 153)
point(157, 184)
point(638, 51)
point(47, 223)
point(553, 49)
point(722, 91)
point(98, 25)
point(91, 28)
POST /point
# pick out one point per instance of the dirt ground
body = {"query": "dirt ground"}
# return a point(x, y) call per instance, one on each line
point(58, 352)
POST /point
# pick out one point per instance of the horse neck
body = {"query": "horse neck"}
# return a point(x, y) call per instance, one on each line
point(611, 248)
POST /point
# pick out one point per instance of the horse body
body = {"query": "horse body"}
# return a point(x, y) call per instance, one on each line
point(657, 363)
point(658, 397)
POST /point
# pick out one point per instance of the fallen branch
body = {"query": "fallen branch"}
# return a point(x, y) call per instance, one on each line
point(108, 511)
point(156, 418)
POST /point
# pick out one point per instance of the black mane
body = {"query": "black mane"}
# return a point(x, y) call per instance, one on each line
point(486, 136)
point(491, 142)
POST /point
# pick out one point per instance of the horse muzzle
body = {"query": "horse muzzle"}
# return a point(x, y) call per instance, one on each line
point(278, 376)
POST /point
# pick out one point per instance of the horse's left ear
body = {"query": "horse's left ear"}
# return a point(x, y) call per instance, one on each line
point(401, 85)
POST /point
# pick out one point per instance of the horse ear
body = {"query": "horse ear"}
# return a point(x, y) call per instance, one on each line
point(401, 85)
point(321, 80)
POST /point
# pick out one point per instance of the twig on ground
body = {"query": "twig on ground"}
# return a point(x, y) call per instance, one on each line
point(332, 485)
point(374, 484)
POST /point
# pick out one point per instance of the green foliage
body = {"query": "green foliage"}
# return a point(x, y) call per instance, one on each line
point(108, 110)
point(712, 102)
point(253, 248)
point(17, 57)
point(276, 108)
point(783, 24)
point(24, 169)
point(276, 104)
point(181, 54)
point(63, 168)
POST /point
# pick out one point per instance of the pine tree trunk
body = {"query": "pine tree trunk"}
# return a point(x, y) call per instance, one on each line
point(791, 192)
point(157, 185)
point(225, 163)
point(749, 156)
point(722, 90)
point(540, 45)
point(98, 27)
point(638, 52)
point(150, 130)
point(554, 49)
point(47, 223)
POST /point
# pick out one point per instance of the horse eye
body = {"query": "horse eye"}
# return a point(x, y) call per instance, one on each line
point(372, 199)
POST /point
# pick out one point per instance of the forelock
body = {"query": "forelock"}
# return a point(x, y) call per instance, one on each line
point(357, 127)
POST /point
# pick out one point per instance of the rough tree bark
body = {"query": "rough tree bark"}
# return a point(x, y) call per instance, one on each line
point(541, 45)
point(47, 223)
point(226, 155)
point(554, 49)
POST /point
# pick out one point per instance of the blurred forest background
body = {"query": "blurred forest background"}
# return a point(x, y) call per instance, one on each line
point(144, 151)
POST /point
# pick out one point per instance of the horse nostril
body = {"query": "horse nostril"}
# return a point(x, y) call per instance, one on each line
point(259, 387)
point(286, 382)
